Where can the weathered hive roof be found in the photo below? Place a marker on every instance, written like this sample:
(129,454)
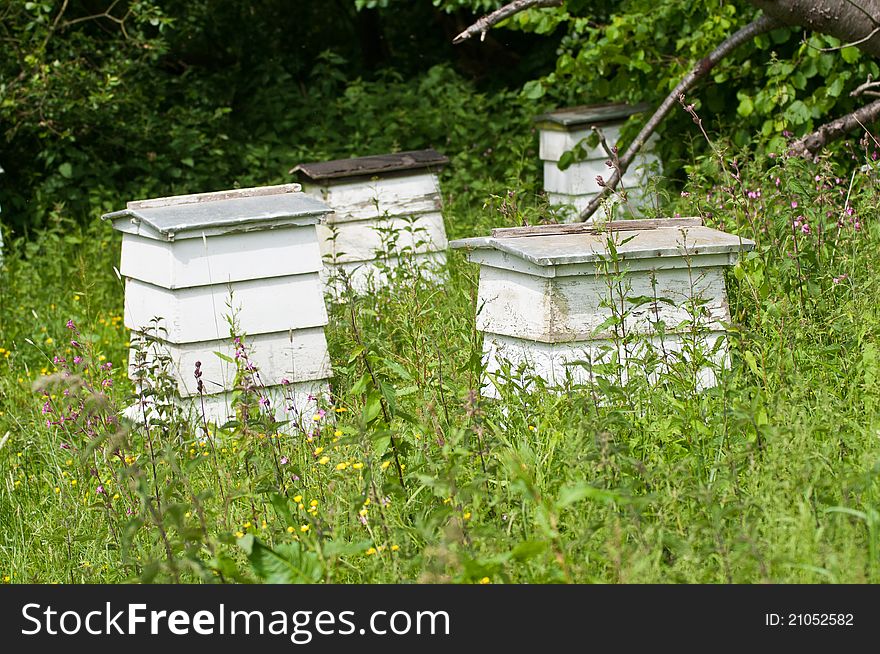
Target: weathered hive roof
(588,246)
(370,166)
(583,116)
(221,212)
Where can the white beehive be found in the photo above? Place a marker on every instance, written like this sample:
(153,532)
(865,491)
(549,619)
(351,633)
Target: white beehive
(546,296)
(387,213)
(194,261)
(572,189)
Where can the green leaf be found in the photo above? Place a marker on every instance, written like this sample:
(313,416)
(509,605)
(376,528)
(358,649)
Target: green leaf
(746,107)
(381,442)
(577,492)
(339,548)
(225,358)
(533,90)
(66,170)
(797,113)
(850,54)
(286,564)
(372,408)
(752,362)
(565,160)
(528,549)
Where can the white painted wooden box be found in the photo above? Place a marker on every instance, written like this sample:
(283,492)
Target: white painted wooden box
(190,263)
(572,189)
(387,214)
(552,298)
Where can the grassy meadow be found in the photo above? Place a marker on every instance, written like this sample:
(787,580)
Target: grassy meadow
(409,476)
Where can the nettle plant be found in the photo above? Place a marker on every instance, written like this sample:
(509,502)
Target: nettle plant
(808,217)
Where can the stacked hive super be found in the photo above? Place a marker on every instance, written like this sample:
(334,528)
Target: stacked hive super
(555,301)
(387,215)
(196,261)
(566,130)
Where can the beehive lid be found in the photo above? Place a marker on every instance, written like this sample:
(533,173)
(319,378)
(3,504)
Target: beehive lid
(372,166)
(573,118)
(554,245)
(220,212)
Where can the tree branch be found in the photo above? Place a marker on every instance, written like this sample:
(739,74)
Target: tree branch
(808,145)
(867,88)
(486,22)
(747,33)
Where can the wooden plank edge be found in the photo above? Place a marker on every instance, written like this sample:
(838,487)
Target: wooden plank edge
(596,228)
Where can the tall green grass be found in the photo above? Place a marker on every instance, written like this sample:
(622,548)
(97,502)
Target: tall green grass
(772,476)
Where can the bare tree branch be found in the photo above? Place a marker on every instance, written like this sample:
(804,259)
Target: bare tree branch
(753,29)
(867,88)
(808,145)
(486,22)
(874,32)
(848,20)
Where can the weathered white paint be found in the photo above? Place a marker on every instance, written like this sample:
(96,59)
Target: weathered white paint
(201,217)
(367,276)
(563,364)
(556,142)
(190,315)
(511,261)
(292,355)
(218,259)
(295,404)
(354,241)
(580,178)
(565,309)
(572,189)
(193,262)
(550,300)
(396,195)
(366,240)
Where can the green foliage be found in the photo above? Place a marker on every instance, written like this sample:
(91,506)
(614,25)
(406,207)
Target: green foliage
(157,98)
(640,50)
(769,477)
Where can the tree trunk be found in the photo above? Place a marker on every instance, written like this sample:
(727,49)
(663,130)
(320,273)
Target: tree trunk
(848,20)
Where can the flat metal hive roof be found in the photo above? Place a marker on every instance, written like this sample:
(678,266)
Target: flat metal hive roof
(561,249)
(221,212)
(574,117)
(373,165)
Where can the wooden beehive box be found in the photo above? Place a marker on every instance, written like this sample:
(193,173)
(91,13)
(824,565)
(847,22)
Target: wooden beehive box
(546,295)
(387,210)
(192,261)
(573,188)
